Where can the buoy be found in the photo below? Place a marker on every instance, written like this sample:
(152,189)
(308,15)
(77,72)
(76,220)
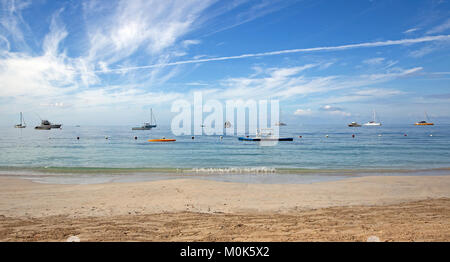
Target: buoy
(353,135)
(326,136)
(78,138)
(106,137)
(221,137)
(192,138)
(379,135)
(431,135)
(135,138)
(299,136)
(405,135)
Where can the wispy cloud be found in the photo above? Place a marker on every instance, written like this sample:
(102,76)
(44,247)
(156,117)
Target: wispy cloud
(291,51)
(374,61)
(440,28)
(409,31)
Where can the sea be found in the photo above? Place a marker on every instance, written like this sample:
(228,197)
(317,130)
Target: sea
(317,153)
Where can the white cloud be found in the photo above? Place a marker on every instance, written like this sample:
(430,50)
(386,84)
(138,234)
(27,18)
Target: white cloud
(303,112)
(334,110)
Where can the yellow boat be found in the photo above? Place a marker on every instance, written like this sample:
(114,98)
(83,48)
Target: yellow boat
(423,123)
(162,140)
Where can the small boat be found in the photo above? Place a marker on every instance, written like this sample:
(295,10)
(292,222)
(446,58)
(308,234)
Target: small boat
(280,124)
(22,122)
(227,124)
(424,123)
(373,122)
(266,139)
(46,125)
(147,126)
(265,134)
(162,140)
(354,124)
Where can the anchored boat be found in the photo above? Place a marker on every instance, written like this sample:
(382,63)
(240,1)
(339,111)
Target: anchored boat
(22,122)
(147,126)
(424,123)
(354,124)
(373,122)
(265,134)
(46,125)
(162,140)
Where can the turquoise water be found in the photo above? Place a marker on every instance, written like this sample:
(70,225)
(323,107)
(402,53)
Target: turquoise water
(373,148)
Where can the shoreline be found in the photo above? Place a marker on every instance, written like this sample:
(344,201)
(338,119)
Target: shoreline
(150,211)
(251,175)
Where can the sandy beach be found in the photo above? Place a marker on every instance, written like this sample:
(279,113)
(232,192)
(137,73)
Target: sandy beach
(393,208)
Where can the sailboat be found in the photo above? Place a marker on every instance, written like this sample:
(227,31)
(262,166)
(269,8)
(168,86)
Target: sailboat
(22,122)
(373,122)
(147,126)
(424,123)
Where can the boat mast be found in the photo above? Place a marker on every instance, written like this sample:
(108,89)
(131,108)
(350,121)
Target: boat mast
(21,118)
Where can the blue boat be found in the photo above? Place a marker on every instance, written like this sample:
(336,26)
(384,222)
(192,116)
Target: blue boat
(266,139)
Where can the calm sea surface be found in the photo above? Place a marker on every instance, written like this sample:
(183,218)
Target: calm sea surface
(58,154)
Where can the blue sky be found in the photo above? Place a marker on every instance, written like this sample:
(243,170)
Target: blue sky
(108,62)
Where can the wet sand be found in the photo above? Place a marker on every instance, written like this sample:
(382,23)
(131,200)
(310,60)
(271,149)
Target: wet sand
(393,208)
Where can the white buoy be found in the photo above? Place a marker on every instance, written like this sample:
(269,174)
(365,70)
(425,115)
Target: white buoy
(326,136)
(431,135)
(379,135)
(106,137)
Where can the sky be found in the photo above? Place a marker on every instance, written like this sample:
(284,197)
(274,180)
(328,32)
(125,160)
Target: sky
(109,62)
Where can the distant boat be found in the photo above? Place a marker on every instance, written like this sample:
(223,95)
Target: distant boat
(46,125)
(162,140)
(265,134)
(280,124)
(424,123)
(373,122)
(227,124)
(354,124)
(22,122)
(147,126)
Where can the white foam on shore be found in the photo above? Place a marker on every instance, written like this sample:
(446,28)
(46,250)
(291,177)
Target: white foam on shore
(235,170)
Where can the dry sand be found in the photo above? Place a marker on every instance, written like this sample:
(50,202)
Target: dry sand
(393,208)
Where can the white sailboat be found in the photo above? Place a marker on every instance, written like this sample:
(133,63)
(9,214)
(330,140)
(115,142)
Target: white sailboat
(147,126)
(22,122)
(373,122)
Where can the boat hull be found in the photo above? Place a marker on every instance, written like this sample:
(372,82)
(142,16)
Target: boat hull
(43,128)
(162,140)
(424,124)
(20,126)
(266,139)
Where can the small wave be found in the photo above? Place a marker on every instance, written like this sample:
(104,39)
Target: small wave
(235,170)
